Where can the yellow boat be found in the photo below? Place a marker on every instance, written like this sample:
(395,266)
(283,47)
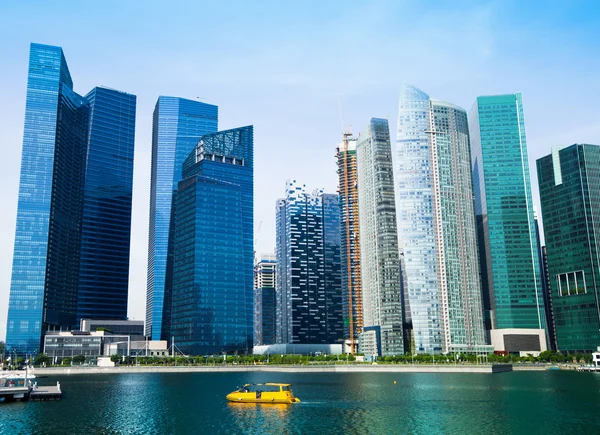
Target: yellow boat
(263,393)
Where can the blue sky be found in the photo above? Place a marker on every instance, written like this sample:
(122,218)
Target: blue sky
(284,66)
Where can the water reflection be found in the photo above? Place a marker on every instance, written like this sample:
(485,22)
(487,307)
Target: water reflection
(259,418)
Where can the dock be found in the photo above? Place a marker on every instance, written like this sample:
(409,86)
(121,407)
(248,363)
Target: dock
(588,369)
(45,393)
(31,392)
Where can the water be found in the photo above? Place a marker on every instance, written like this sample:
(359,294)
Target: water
(332,403)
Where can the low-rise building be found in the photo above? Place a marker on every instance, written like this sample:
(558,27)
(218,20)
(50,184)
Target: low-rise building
(298,349)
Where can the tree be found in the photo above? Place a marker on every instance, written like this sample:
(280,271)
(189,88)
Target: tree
(67,361)
(42,359)
(115,358)
(2,348)
(79,359)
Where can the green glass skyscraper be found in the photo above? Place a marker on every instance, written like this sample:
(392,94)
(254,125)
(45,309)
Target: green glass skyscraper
(512,292)
(569,181)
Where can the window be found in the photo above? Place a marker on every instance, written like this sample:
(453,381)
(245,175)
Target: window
(571,283)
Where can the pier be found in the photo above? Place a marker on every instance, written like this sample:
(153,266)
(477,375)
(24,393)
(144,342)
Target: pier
(19,390)
(45,393)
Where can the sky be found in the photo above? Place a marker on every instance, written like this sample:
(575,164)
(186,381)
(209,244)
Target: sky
(299,72)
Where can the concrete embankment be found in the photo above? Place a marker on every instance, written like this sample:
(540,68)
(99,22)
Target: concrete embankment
(338,368)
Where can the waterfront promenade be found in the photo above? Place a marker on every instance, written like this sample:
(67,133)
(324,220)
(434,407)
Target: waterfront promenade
(320,368)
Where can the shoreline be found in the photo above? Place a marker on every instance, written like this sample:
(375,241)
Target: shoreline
(338,368)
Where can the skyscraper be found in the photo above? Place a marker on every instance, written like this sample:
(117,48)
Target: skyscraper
(61,216)
(510,267)
(106,225)
(436,225)
(177,126)
(212,295)
(379,262)
(569,181)
(350,241)
(308,282)
(264,300)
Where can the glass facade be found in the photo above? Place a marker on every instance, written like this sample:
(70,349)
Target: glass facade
(308,278)
(436,222)
(512,290)
(350,241)
(106,226)
(212,296)
(59,132)
(264,300)
(177,125)
(379,262)
(569,182)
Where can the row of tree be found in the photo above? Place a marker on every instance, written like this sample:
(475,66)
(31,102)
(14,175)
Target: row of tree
(544,357)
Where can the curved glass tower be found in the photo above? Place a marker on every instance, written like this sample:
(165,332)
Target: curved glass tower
(436,225)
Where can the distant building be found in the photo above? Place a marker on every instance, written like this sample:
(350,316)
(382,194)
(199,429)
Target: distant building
(71,252)
(436,225)
(510,270)
(569,182)
(177,126)
(546,288)
(379,262)
(521,341)
(264,300)
(212,296)
(299,349)
(59,345)
(123,327)
(308,283)
(350,241)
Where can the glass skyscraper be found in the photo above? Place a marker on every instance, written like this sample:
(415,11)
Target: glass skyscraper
(106,224)
(436,225)
(308,277)
(569,181)
(212,295)
(510,270)
(379,262)
(59,224)
(264,300)
(350,241)
(177,126)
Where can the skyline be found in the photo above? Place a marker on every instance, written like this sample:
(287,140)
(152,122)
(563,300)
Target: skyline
(290,83)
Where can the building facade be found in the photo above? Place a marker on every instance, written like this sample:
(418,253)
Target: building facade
(436,224)
(350,241)
(264,300)
(308,283)
(177,126)
(212,295)
(508,249)
(379,262)
(62,217)
(569,182)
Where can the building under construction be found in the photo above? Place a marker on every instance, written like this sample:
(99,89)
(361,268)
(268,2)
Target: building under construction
(350,242)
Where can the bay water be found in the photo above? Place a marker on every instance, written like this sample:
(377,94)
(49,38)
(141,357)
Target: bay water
(548,402)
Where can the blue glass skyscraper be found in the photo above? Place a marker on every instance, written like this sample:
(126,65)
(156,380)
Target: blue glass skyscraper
(178,124)
(212,296)
(54,205)
(106,224)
